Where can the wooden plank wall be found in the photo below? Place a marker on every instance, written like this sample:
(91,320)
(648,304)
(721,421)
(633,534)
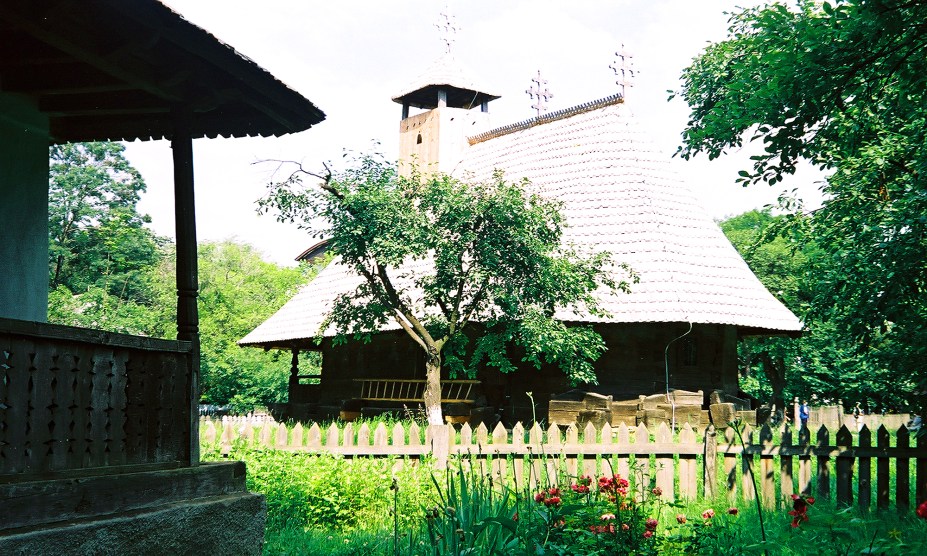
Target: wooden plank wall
(72,404)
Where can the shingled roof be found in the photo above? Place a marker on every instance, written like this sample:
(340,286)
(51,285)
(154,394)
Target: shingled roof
(445,73)
(619,195)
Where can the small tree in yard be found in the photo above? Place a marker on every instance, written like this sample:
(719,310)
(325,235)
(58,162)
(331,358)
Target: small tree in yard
(438,255)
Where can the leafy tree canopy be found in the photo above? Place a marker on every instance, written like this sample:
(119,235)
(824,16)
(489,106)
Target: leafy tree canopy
(826,361)
(440,257)
(238,291)
(97,237)
(842,86)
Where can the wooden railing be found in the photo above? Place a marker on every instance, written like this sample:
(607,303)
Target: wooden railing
(412,390)
(74,399)
(706,465)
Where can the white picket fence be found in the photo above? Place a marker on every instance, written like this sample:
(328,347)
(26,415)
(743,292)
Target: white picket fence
(860,465)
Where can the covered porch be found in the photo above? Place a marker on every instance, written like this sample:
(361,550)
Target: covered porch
(99,444)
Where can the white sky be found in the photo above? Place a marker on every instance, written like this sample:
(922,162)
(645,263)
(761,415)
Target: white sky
(350,56)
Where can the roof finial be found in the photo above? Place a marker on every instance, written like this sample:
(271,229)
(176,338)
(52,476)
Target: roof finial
(623,66)
(542,95)
(447,27)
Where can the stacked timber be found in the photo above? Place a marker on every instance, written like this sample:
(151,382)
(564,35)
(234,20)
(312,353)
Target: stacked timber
(678,406)
(625,413)
(580,407)
(725,408)
(577,405)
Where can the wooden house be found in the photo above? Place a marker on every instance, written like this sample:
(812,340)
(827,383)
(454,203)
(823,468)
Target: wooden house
(676,330)
(99,444)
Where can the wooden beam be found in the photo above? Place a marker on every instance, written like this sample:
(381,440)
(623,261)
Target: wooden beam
(101,104)
(186,267)
(55,79)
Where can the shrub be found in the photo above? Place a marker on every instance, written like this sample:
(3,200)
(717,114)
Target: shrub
(332,492)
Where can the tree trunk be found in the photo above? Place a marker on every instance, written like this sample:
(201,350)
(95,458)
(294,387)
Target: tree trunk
(774,369)
(433,387)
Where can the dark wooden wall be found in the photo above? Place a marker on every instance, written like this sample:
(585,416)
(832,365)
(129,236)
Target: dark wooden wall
(705,359)
(73,399)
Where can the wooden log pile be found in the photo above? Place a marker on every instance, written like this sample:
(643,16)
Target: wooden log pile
(725,409)
(580,407)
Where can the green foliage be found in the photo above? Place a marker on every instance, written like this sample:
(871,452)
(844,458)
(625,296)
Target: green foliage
(332,493)
(97,238)
(438,255)
(238,291)
(768,364)
(96,308)
(840,85)
(827,361)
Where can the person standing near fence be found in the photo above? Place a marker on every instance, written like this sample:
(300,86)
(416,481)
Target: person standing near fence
(804,412)
(858,414)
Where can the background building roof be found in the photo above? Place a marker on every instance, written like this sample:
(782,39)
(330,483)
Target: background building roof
(619,195)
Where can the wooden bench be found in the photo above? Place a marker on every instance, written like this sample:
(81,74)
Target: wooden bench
(413,390)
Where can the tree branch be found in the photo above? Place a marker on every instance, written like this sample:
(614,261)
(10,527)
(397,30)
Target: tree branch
(326,179)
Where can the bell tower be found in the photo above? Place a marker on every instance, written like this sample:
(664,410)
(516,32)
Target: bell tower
(453,108)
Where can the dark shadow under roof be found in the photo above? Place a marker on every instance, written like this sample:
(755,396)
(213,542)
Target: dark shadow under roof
(127,69)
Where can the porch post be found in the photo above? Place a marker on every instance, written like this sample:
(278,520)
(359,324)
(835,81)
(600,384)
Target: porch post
(187,279)
(294,375)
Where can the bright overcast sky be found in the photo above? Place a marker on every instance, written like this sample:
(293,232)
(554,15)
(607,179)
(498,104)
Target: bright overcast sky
(349,57)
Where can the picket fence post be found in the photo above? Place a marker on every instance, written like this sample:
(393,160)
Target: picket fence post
(710,463)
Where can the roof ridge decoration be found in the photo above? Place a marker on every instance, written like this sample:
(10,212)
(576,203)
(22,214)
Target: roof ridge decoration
(623,66)
(546,118)
(540,92)
(447,27)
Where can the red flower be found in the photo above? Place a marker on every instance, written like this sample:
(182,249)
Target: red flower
(657,491)
(580,488)
(651,524)
(798,519)
(799,511)
(613,484)
(549,497)
(681,518)
(732,511)
(922,510)
(648,534)
(708,514)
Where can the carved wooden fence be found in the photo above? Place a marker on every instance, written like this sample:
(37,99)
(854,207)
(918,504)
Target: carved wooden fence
(73,399)
(682,466)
